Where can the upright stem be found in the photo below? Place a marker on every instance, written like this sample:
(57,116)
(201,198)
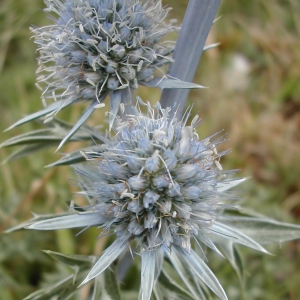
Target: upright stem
(196,24)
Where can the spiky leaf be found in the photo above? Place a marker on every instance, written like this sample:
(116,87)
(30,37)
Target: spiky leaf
(203,272)
(168,289)
(263,230)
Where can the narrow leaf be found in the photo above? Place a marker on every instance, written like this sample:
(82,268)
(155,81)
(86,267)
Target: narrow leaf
(46,138)
(49,135)
(210,46)
(107,258)
(27,150)
(63,289)
(147,274)
(124,263)
(170,290)
(234,258)
(52,107)
(203,271)
(233,234)
(40,139)
(172,83)
(73,261)
(223,186)
(69,221)
(35,219)
(185,275)
(69,159)
(115,101)
(263,230)
(208,242)
(76,156)
(159,262)
(27,138)
(128,101)
(86,114)
(106,285)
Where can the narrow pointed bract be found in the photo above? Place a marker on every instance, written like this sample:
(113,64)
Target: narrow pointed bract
(69,221)
(235,235)
(203,271)
(147,274)
(107,258)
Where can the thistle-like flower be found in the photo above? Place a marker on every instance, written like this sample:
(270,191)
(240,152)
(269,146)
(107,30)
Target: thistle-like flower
(95,47)
(156,184)
(100,47)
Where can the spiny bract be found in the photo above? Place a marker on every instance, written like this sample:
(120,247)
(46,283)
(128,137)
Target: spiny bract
(156,183)
(96,46)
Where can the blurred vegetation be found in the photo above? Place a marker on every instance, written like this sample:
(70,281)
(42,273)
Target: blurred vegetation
(253,94)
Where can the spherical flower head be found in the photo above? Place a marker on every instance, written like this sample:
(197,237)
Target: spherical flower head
(156,181)
(97,46)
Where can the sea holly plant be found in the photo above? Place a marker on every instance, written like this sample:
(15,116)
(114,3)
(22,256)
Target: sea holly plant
(151,184)
(99,48)
(156,185)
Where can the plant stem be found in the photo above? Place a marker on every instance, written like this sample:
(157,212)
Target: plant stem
(196,24)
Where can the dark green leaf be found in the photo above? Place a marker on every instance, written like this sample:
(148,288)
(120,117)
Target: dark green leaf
(63,289)
(27,150)
(234,258)
(86,114)
(76,156)
(52,107)
(167,289)
(73,261)
(106,285)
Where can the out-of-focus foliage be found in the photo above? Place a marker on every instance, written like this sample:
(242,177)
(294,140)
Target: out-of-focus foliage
(253,95)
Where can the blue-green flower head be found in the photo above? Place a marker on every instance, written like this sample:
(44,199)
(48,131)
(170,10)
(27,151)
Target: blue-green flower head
(98,46)
(155,181)
(156,184)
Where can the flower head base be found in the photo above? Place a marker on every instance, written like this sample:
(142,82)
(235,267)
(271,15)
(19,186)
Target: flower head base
(97,46)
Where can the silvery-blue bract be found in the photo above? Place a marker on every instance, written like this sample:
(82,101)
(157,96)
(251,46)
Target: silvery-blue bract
(156,184)
(95,47)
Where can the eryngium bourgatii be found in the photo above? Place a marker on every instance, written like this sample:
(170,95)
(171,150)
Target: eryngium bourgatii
(97,46)
(156,184)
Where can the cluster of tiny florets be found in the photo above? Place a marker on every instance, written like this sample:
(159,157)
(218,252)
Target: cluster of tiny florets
(96,46)
(154,180)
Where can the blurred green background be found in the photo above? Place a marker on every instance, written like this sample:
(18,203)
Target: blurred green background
(254,95)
